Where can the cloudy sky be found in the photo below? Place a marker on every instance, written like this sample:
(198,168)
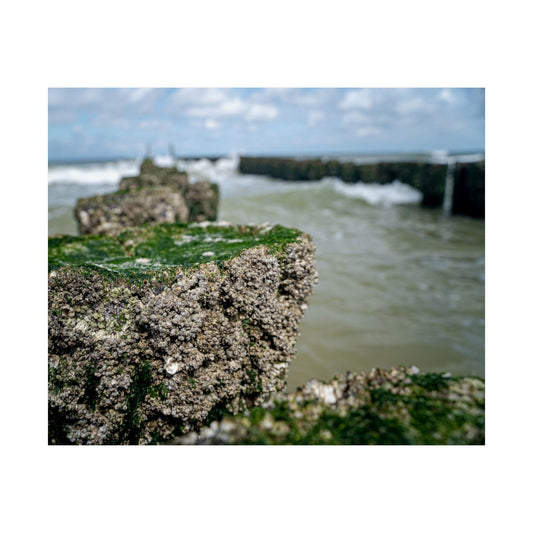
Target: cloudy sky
(101,123)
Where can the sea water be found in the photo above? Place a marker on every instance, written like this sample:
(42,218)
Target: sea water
(398,283)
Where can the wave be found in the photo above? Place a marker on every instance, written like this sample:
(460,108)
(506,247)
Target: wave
(217,171)
(92,173)
(377,194)
(225,172)
(114,171)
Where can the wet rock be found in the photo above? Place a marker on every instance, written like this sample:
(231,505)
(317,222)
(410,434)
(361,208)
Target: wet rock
(110,214)
(162,329)
(157,195)
(396,406)
(469,189)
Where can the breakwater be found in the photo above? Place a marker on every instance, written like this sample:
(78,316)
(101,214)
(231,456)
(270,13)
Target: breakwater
(126,367)
(462,180)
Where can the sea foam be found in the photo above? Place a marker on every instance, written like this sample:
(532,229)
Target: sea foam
(375,193)
(91,173)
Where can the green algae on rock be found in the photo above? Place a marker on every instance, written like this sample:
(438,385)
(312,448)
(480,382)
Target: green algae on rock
(157,195)
(156,331)
(144,252)
(398,406)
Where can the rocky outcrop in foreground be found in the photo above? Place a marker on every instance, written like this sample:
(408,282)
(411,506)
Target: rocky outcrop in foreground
(159,330)
(157,195)
(398,406)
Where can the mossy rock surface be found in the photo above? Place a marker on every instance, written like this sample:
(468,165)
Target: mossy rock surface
(166,177)
(152,251)
(397,406)
(156,331)
(157,195)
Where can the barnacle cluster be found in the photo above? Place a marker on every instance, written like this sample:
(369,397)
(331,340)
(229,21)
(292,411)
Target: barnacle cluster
(156,195)
(142,349)
(395,406)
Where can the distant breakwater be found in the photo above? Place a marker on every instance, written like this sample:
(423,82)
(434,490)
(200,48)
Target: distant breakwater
(456,186)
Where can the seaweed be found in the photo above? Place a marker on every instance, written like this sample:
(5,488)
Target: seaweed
(139,254)
(132,425)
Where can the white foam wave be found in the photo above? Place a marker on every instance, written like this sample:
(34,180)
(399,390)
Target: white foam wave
(217,171)
(164,161)
(376,194)
(91,173)
(225,172)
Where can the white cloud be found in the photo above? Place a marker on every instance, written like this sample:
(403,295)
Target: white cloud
(447,96)
(220,104)
(193,97)
(211,124)
(412,105)
(359,98)
(136,95)
(314,117)
(223,108)
(261,112)
(355,117)
(294,96)
(230,108)
(310,98)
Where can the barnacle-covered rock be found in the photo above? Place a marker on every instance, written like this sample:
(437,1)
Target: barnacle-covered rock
(155,332)
(110,214)
(396,406)
(156,195)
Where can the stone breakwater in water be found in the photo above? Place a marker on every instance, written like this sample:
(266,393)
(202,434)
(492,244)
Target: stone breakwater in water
(397,406)
(156,195)
(183,333)
(155,332)
(468,196)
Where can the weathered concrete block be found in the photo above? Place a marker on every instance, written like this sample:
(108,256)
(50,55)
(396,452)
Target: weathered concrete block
(397,406)
(469,189)
(157,195)
(110,214)
(154,332)
(167,177)
(433,184)
(202,199)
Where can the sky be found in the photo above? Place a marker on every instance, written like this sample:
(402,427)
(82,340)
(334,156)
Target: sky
(99,123)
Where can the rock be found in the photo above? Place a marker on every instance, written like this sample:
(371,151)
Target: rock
(167,177)
(157,195)
(469,189)
(398,406)
(150,336)
(202,199)
(110,214)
